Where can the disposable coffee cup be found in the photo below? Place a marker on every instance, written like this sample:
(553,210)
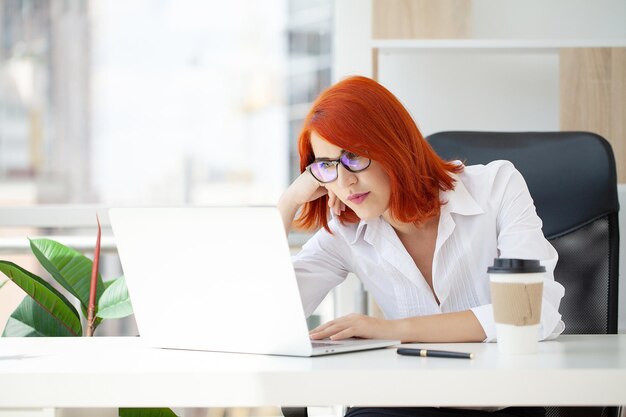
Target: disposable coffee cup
(516,293)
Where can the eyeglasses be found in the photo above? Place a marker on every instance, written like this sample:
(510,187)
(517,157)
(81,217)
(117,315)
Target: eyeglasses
(326,170)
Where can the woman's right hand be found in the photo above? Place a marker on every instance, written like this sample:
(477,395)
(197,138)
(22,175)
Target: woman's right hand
(305,188)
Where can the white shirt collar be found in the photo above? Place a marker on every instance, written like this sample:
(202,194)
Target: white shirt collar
(458,201)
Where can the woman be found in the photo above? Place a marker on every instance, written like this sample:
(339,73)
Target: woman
(418,231)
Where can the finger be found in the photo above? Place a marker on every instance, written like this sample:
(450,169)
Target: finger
(343,322)
(322,327)
(344,334)
(331,199)
(322,330)
(337,206)
(316,336)
(323,334)
(320,335)
(330,193)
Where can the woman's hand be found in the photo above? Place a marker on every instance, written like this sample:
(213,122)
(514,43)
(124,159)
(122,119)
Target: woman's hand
(356,325)
(336,205)
(304,189)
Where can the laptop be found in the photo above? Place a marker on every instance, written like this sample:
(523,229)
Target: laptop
(217,279)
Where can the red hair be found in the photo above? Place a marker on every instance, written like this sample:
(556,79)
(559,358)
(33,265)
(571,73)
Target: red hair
(361,116)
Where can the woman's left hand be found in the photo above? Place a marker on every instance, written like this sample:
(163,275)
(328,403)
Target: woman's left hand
(356,325)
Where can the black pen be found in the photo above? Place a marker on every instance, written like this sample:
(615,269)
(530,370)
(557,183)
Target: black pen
(434,353)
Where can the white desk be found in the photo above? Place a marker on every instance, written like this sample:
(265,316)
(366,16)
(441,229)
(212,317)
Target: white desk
(110,372)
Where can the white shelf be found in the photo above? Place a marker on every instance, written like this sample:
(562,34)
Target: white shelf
(513,45)
(84,244)
(55,216)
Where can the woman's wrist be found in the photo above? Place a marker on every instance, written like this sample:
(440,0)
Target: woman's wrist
(288,203)
(460,326)
(405,329)
(288,209)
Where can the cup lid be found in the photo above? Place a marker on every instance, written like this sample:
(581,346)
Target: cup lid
(515,266)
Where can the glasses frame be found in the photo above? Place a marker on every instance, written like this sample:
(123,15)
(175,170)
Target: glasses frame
(336,163)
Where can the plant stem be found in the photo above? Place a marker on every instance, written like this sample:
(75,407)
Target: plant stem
(91,317)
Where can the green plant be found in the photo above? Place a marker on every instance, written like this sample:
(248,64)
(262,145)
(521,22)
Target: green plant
(47,312)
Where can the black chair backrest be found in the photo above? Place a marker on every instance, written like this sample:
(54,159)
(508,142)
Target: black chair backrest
(572,179)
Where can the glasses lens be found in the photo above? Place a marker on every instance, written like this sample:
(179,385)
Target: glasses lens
(354,162)
(324,171)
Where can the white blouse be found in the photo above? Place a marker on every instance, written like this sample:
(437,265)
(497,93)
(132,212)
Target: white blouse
(489,214)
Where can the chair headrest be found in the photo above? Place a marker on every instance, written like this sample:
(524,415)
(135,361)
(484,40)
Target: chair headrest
(571,175)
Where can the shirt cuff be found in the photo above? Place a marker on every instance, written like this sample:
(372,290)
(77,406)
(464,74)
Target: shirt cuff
(484,314)
(551,324)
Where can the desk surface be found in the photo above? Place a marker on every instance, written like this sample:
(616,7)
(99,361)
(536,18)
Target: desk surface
(109,372)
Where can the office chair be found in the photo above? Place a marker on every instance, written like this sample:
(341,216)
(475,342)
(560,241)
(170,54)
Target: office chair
(572,179)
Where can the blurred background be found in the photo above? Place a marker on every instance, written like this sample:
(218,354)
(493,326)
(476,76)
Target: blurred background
(191,102)
(114,101)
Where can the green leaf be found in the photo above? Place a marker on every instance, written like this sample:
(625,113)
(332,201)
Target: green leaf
(115,302)
(146,412)
(30,319)
(68,267)
(45,295)
(110,282)
(3,282)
